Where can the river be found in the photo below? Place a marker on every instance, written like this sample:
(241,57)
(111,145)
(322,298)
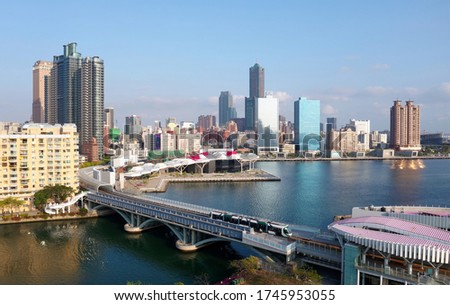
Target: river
(99,251)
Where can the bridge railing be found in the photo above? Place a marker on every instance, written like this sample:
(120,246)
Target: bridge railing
(280,244)
(168,213)
(177,203)
(387,271)
(319,250)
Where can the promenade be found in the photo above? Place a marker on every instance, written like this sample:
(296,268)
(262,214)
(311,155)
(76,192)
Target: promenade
(160,183)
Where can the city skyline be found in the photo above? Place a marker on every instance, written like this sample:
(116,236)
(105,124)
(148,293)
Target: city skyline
(357,58)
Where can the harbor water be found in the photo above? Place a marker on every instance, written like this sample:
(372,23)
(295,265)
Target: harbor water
(99,251)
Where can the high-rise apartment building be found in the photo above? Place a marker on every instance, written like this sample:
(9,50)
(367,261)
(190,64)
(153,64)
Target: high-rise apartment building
(38,156)
(109,117)
(206,122)
(226,109)
(256,81)
(405,126)
(66,87)
(76,94)
(41,87)
(307,125)
(92,102)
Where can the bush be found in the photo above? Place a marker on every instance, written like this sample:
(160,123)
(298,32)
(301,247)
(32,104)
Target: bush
(83,211)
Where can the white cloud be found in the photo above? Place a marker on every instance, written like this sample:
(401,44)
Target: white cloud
(445,88)
(381,67)
(378,90)
(282,96)
(328,110)
(213,100)
(345,69)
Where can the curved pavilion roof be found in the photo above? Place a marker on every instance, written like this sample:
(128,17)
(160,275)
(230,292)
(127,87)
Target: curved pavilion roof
(177,163)
(397,237)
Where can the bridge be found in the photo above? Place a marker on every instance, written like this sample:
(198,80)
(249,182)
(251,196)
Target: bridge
(55,208)
(195,226)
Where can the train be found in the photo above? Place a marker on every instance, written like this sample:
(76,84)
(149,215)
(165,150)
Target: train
(269,227)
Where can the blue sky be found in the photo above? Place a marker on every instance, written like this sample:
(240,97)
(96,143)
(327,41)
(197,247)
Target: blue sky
(172,58)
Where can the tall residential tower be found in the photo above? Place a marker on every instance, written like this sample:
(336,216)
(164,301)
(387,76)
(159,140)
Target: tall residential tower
(405,126)
(41,87)
(73,93)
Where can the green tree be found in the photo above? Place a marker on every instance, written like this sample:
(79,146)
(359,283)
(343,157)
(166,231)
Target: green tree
(249,264)
(52,193)
(10,203)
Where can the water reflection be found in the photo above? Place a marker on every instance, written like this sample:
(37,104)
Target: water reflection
(408,164)
(407,183)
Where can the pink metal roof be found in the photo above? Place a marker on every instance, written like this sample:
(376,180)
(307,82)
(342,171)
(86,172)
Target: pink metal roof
(396,225)
(387,237)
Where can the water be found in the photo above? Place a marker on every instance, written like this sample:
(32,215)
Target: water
(312,193)
(98,251)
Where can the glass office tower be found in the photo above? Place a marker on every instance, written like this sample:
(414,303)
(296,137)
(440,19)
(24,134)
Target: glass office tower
(307,125)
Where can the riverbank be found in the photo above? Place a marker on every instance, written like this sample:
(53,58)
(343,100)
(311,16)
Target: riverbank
(161,183)
(35,216)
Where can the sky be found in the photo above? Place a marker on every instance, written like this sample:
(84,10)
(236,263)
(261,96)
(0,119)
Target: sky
(173,58)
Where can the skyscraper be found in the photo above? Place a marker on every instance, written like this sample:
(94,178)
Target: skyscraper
(250,115)
(226,109)
(267,114)
(92,106)
(76,95)
(256,86)
(133,126)
(66,87)
(405,126)
(256,81)
(41,87)
(307,125)
(109,117)
(332,122)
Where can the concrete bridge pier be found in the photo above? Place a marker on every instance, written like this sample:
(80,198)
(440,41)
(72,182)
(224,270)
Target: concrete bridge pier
(190,240)
(137,223)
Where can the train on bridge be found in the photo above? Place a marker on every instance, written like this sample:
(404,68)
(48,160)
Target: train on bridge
(261,226)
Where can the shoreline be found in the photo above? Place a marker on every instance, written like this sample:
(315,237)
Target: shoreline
(55,218)
(161,183)
(399,158)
